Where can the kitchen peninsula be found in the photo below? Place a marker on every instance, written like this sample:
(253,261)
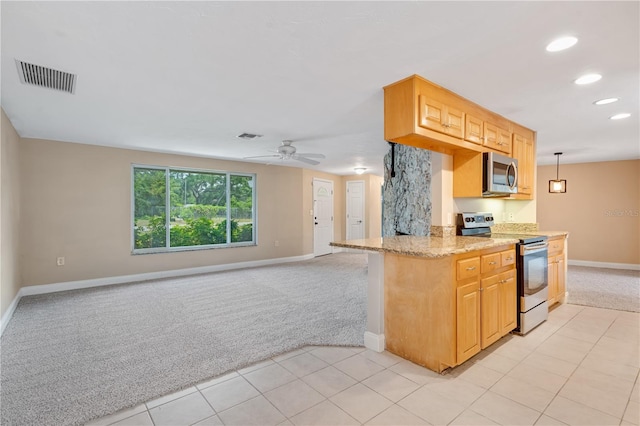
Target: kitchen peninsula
(425,296)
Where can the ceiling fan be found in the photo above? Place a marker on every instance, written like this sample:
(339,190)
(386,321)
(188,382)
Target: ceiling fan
(286,151)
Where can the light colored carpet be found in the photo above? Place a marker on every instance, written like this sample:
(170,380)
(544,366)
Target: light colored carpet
(73,356)
(604,288)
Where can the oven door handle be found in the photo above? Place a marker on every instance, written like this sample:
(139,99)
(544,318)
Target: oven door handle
(533,248)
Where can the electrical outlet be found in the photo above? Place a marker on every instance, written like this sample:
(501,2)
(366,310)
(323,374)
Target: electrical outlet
(60,261)
(510,217)
(276,243)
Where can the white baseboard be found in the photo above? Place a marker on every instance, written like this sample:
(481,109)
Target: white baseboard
(632,266)
(9,312)
(373,341)
(122,279)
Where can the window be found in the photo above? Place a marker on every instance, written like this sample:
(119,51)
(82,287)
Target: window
(178,209)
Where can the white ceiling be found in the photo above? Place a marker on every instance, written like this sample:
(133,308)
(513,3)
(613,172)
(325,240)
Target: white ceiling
(187,77)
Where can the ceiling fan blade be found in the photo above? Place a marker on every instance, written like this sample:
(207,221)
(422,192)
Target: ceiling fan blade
(305,160)
(313,155)
(262,156)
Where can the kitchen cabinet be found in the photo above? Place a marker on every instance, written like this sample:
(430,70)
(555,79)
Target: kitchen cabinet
(524,152)
(441,117)
(473,129)
(420,113)
(439,312)
(468,341)
(497,139)
(508,309)
(556,270)
(498,297)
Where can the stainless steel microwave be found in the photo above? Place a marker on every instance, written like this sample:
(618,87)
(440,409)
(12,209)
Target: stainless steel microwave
(499,175)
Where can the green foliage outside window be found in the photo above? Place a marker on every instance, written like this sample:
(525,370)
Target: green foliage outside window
(198,206)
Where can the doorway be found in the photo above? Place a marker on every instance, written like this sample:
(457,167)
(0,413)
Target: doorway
(355,210)
(323,216)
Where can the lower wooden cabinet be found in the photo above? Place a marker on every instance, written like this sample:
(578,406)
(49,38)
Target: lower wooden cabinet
(498,307)
(556,270)
(439,312)
(508,302)
(468,321)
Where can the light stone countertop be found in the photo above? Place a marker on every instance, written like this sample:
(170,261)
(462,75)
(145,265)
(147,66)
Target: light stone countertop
(425,246)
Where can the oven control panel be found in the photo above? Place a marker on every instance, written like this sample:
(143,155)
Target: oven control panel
(474,220)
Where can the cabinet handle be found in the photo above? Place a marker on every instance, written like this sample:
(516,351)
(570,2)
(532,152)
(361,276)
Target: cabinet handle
(492,263)
(509,258)
(471,268)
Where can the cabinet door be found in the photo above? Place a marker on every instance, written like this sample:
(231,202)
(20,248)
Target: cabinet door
(560,278)
(508,302)
(504,141)
(490,135)
(552,276)
(497,138)
(454,122)
(468,321)
(473,131)
(523,152)
(490,310)
(431,114)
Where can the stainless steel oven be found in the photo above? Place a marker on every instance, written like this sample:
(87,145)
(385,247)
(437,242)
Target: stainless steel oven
(532,282)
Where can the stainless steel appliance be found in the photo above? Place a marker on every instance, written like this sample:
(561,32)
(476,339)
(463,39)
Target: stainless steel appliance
(499,175)
(531,264)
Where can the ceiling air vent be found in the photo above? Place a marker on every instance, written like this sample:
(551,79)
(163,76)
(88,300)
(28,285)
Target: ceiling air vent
(248,136)
(46,77)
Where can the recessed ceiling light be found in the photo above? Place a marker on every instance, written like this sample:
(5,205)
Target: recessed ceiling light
(620,116)
(606,101)
(561,44)
(588,79)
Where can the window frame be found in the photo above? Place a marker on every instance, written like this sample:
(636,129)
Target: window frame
(167,248)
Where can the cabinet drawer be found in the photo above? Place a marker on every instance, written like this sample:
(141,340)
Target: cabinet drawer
(556,246)
(490,262)
(467,268)
(507,257)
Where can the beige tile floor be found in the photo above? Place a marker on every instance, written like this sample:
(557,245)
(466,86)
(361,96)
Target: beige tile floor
(578,368)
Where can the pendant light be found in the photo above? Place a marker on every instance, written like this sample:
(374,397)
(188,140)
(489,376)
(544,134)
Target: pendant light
(558,186)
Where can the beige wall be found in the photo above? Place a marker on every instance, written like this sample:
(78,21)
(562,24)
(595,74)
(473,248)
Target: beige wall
(77,204)
(10,278)
(599,209)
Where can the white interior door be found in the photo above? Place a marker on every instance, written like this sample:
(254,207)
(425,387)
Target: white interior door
(323,216)
(355,209)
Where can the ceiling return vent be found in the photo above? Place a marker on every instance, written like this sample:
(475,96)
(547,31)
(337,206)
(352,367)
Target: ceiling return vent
(46,77)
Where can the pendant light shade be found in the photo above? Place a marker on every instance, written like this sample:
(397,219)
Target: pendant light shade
(557,186)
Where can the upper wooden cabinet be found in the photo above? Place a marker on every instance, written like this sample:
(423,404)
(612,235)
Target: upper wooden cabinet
(524,152)
(420,113)
(497,138)
(473,129)
(441,117)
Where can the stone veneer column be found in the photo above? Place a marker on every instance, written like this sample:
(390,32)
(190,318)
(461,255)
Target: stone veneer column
(407,196)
